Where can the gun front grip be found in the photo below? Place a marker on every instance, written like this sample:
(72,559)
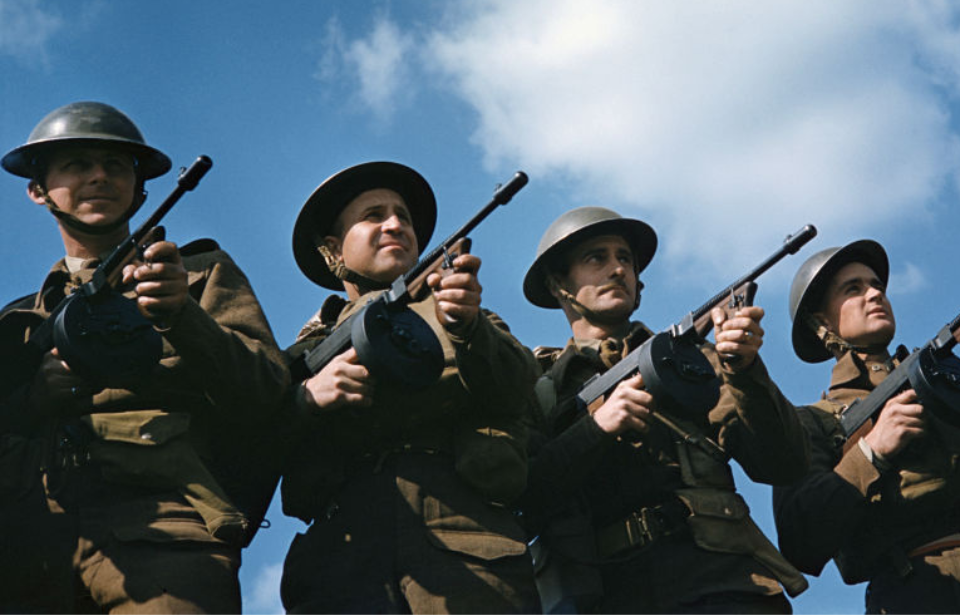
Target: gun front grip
(443,265)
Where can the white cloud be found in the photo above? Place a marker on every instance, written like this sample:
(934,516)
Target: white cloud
(265,595)
(907,282)
(25,29)
(378,65)
(334,45)
(380,62)
(717,120)
(713,121)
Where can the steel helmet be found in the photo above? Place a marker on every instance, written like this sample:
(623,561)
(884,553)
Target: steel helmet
(573,227)
(85,123)
(336,192)
(810,283)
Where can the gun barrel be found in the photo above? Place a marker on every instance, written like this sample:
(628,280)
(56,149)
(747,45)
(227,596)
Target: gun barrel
(796,241)
(501,196)
(791,245)
(506,192)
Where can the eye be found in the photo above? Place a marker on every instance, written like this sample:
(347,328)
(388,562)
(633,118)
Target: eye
(117,165)
(76,164)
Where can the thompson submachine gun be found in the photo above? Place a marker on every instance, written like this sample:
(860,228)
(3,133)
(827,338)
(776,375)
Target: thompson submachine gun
(932,370)
(391,340)
(101,334)
(674,369)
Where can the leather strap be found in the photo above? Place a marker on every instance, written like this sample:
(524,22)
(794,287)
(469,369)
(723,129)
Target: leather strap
(641,528)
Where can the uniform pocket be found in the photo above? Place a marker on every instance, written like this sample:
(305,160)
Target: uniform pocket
(719,520)
(144,447)
(484,531)
(184,529)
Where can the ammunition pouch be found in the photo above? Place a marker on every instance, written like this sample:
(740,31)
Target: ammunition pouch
(149,448)
(720,521)
(309,484)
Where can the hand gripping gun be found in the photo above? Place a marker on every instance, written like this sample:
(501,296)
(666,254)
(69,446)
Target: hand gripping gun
(391,340)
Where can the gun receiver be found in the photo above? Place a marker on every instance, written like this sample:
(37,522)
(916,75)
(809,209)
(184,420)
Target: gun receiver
(392,341)
(100,333)
(674,370)
(932,370)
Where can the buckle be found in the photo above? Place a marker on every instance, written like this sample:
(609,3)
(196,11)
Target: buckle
(644,526)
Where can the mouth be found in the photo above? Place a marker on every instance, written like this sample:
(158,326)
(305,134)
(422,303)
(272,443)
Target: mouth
(394,246)
(98,198)
(613,286)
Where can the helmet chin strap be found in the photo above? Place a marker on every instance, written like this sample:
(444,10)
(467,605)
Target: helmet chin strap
(344,274)
(836,345)
(91,229)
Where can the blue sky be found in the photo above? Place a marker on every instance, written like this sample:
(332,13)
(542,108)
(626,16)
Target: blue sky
(725,125)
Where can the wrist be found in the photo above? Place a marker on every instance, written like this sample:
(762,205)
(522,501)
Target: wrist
(881,463)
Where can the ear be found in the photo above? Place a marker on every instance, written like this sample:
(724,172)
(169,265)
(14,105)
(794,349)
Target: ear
(334,244)
(820,320)
(36,193)
(554,284)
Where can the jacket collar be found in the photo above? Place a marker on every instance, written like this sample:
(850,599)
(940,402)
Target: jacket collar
(853,376)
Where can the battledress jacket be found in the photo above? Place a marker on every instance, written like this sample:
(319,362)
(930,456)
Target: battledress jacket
(721,550)
(199,424)
(846,508)
(473,416)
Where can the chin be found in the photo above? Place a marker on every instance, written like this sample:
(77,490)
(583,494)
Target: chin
(614,313)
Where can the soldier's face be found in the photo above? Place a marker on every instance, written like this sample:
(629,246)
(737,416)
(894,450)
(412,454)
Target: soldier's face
(856,307)
(95,185)
(378,240)
(601,276)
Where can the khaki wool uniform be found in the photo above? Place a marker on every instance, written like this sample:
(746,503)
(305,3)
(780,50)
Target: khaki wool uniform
(662,528)
(898,528)
(408,498)
(143,503)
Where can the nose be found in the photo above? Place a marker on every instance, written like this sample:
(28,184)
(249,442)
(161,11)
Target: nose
(393,224)
(618,270)
(874,294)
(98,172)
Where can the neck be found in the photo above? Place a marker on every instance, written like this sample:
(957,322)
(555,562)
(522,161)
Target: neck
(81,245)
(874,354)
(354,292)
(584,329)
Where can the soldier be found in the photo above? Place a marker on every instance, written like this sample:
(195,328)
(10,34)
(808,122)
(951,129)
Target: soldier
(406,490)
(635,501)
(884,506)
(134,498)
